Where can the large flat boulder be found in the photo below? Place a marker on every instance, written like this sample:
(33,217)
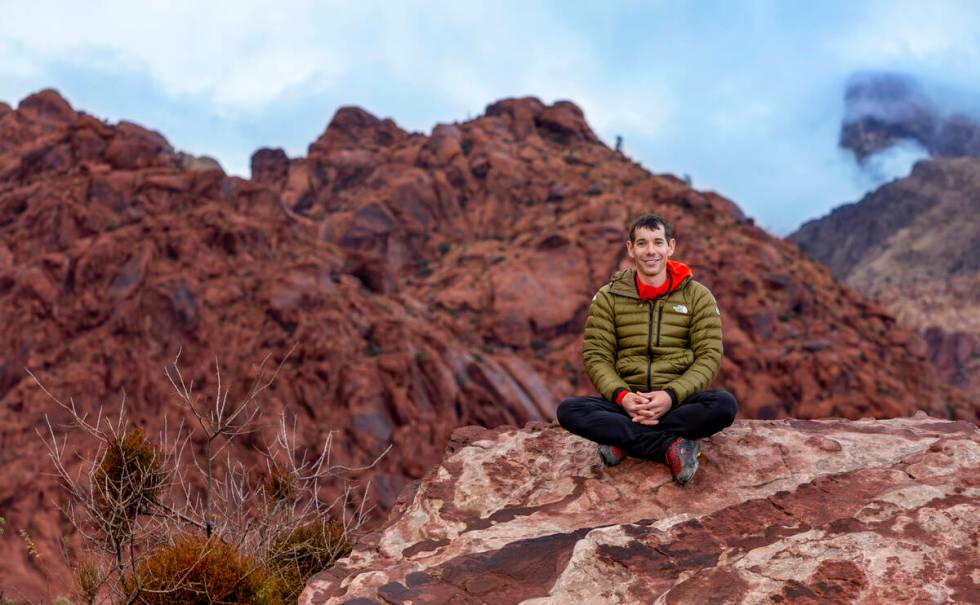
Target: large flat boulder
(783,511)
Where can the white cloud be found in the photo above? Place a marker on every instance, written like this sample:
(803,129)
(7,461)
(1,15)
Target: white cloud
(242,56)
(937,35)
(14,62)
(238,55)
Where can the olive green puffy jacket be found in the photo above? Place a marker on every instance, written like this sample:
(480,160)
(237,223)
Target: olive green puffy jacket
(670,343)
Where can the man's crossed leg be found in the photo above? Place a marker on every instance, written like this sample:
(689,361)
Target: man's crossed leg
(702,414)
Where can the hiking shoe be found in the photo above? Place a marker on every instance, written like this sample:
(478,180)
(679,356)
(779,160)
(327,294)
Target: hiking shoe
(682,458)
(611,455)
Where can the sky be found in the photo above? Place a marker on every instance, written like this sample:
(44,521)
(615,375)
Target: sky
(744,98)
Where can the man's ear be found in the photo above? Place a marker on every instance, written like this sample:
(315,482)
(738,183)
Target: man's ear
(670,246)
(629,246)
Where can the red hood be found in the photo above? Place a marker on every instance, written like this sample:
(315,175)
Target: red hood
(676,274)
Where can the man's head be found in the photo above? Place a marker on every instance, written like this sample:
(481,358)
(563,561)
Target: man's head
(651,222)
(650,245)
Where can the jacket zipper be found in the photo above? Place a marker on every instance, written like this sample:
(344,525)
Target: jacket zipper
(660,318)
(650,349)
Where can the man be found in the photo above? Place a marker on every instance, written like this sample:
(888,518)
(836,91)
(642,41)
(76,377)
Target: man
(652,347)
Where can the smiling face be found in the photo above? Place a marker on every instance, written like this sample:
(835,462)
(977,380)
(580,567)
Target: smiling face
(650,250)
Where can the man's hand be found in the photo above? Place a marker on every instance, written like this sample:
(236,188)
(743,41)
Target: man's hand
(635,405)
(647,408)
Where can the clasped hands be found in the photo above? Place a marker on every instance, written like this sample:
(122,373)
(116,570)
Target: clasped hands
(647,408)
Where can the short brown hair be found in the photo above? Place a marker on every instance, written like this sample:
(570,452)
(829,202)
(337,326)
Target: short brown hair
(651,222)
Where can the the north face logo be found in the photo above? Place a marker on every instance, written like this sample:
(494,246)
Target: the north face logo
(680,308)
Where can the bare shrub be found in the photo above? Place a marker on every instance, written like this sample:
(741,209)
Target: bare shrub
(172,526)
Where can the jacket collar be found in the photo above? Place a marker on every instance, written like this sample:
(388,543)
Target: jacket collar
(624,282)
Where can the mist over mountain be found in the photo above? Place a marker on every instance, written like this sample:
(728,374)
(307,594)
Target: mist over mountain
(912,243)
(886,110)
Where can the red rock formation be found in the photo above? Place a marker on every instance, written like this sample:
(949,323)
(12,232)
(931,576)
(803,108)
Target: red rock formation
(111,262)
(789,511)
(425,281)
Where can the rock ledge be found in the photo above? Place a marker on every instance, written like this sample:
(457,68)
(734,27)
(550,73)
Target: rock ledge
(783,511)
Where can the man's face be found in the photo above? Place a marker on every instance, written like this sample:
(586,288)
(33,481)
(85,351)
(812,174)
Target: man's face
(650,252)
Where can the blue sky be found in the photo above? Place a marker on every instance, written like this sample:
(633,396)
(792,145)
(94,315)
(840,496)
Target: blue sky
(744,97)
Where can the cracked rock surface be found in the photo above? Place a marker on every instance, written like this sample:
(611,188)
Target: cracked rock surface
(784,511)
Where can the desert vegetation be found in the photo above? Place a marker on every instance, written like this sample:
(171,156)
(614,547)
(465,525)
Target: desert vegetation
(176,518)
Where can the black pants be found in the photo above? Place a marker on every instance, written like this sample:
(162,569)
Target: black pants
(604,422)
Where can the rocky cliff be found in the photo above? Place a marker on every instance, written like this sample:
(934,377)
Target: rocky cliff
(789,511)
(914,245)
(423,281)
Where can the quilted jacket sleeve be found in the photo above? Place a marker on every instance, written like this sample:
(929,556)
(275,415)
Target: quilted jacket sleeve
(706,343)
(599,348)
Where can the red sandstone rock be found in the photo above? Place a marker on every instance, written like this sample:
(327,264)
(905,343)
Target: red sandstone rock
(270,166)
(136,147)
(353,127)
(520,115)
(47,109)
(566,121)
(198,163)
(790,511)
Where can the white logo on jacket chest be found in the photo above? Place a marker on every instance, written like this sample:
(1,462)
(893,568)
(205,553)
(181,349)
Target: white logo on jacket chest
(680,308)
